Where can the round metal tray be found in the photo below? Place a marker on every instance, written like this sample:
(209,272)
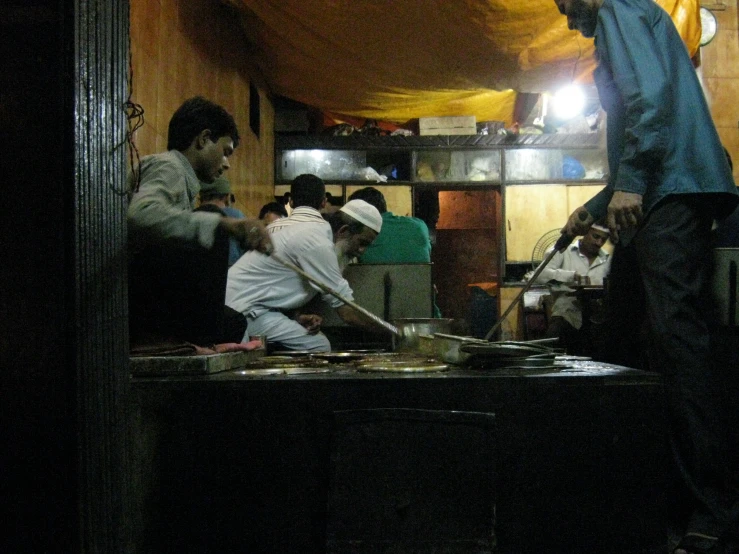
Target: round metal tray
(403,367)
(337,357)
(256,372)
(502,350)
(304,370)
(284,362)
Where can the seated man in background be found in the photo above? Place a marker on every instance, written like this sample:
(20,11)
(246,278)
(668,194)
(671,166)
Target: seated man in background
(403,240)
(269,294)
(584,262)
(216,197)
(272,211)
(178,258)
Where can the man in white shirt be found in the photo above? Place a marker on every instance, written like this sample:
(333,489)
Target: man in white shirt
(583,262)
(269,294)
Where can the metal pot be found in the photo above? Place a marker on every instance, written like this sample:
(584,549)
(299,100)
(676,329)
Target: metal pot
(447,347)
(412,329)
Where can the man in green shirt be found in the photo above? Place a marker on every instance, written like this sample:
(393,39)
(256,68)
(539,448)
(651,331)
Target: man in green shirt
(403,240)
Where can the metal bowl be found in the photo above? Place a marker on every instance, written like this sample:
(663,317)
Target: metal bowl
(412,328)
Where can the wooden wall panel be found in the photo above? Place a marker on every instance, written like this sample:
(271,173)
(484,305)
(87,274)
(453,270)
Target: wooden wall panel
(720,70)
(182,49)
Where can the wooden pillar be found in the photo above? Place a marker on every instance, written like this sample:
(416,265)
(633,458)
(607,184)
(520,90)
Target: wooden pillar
(63,310)
(98,287)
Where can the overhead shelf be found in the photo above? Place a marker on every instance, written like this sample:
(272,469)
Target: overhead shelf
(365,142)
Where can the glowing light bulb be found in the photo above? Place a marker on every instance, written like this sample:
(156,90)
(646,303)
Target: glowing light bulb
(568,102)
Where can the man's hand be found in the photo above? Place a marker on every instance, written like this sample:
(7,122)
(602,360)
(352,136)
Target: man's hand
(311,322)
(578,223)
(624,212)
(250,233)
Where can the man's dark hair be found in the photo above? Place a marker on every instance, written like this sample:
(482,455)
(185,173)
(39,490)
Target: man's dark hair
(372,196)
(338,219)
(195,115)
(308,190)
(273,207)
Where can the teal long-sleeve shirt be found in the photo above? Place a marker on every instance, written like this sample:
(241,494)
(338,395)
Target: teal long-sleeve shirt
(661,137)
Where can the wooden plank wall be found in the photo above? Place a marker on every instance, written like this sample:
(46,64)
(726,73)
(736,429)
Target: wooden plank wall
(720,71)
(184,48)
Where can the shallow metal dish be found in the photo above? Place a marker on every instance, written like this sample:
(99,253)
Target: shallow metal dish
(255,372)
(339,356)
(404,368)
(501,350)
(370,351)
(493,362)
(400,361)
(528,370)
(283,362)
(304,370)
(568,358)
(382,355)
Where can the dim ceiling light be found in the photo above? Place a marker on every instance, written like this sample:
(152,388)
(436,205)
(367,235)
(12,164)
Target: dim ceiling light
(568,102)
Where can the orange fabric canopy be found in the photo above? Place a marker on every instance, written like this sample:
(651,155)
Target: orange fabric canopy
(397,61)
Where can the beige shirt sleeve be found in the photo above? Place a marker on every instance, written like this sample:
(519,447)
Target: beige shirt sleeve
(162,209)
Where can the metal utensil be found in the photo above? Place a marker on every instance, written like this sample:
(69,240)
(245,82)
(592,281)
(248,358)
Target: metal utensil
(325,288)
(412,329)
(563,242)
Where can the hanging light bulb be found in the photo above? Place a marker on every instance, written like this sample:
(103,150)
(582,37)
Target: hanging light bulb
(568,102)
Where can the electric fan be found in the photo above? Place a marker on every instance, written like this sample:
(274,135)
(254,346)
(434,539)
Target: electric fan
(545,243)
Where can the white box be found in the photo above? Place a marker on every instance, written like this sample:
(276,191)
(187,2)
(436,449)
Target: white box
(455,125)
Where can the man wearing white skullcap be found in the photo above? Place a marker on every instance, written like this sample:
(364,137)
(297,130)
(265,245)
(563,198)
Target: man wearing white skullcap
(582,262)
(353,215)
(271,295)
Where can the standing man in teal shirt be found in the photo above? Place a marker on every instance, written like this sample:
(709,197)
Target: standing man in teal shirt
(669,180)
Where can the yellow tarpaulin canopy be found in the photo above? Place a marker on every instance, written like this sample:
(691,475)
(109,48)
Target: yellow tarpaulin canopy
(399,60)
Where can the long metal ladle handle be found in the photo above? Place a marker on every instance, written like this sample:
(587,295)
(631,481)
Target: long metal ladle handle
(562,243)
(381,322)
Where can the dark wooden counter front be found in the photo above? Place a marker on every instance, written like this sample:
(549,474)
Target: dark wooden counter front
(234,464)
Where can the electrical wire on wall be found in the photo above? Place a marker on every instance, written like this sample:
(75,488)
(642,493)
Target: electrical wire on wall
(134,121)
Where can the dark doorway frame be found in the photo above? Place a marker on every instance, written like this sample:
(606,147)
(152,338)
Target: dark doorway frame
(64,308)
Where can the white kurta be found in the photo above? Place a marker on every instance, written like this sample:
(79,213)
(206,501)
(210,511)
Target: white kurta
(259,285)
(562,269)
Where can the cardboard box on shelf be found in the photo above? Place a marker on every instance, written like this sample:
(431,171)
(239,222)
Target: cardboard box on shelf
(455,125)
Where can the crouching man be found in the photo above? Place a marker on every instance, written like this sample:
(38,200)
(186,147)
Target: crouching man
(269,294)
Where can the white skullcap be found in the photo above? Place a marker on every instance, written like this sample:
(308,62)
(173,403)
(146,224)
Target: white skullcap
(365,213)
(601,228)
